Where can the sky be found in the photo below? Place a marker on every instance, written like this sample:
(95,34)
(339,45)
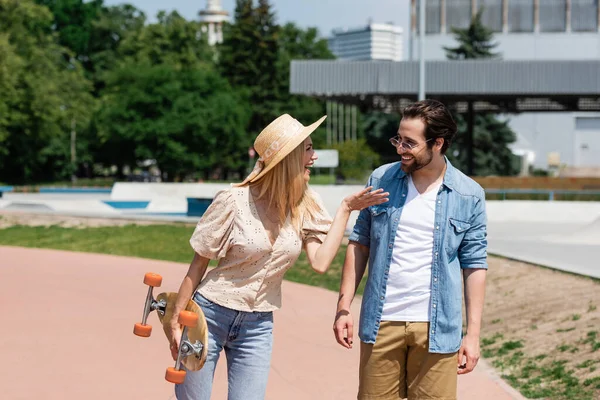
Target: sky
(323,14)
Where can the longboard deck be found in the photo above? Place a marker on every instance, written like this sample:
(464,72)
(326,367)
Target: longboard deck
(198,333)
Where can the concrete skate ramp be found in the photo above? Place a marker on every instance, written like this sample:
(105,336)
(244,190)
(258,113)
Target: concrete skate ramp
(562,235)
(68,335)
(172,197)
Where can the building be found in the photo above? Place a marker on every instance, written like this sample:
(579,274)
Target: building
(371,42)
(213,17)
(528,30)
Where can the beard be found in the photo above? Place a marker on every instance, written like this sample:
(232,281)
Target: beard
(419,161)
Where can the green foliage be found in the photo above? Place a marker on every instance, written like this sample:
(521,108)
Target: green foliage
(357,160)
(473,42)
(491,137)
(44,94)
(187,120)
(171,40)
(133,91)
(379,128)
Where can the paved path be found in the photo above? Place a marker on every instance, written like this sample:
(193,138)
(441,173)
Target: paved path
(67,334)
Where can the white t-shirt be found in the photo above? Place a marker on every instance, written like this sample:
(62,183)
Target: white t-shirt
(408,291)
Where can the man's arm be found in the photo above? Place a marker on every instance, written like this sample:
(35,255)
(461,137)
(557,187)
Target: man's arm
(354,268)
(469,353)
(472,255)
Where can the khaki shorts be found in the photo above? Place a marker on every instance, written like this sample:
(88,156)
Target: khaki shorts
(399,365)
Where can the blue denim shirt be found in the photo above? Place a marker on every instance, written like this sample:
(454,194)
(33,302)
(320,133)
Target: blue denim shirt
(459,241)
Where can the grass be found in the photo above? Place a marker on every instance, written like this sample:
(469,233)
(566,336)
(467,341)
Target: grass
(159,242)
(542,376)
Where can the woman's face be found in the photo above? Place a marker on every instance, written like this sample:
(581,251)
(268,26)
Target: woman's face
(309,157)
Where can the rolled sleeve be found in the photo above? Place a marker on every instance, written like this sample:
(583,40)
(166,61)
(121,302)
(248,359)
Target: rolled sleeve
(472,252)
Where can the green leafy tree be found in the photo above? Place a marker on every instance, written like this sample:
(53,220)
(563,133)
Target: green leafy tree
(296,43)
(171,40)
(491,137)
(248,59)
(188,120)
(72,22)
(357,160)
(475,41)
(113,26)
(44,93)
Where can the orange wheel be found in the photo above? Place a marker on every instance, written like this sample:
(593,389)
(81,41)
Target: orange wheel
(152,279)
(188,318)
(142,330)
(175,376)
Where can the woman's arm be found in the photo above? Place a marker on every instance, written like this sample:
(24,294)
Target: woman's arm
(320,255)
(190,282)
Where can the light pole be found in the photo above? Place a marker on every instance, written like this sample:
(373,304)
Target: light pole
(421,49)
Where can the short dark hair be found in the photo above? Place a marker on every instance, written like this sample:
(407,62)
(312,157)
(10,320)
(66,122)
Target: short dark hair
(437,119)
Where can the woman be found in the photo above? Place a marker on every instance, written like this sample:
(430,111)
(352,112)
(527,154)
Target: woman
(257,230)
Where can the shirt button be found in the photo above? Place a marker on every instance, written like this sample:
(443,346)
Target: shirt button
(435,279)
(436,253)
(382,298)
(434,306)
(403,194)
(391,245)
(439,202)
(437,227)
(432,332)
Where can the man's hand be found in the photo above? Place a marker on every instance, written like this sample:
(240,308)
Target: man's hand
(468,355)
(343,322)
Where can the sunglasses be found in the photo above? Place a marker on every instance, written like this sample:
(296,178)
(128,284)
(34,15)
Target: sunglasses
(396,142)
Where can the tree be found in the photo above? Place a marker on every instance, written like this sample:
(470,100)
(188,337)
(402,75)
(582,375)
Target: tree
(480,148)
(475,41)
(73,22)
(44,93)
(248,59)
(113,26)
(171,40)
(300,44)
(188,120)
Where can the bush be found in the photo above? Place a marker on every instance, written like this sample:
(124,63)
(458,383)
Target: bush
(357,160)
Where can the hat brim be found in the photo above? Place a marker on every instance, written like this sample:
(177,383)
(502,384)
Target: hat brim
(287,149)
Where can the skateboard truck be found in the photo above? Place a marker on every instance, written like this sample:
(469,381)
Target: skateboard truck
(188,319)
(142,329)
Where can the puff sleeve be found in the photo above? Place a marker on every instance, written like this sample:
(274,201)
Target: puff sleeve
(317,226)
(214,232)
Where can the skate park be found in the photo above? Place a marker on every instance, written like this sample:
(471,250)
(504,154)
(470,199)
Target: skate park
(91,337)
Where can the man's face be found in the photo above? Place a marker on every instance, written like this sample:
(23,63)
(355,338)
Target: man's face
(413,146)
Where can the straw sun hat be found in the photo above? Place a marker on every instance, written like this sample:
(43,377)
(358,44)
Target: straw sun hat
(276,141)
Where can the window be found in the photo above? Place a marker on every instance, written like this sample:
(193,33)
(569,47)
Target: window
(520,15)
(553,16)
(458,13)
(584,15)
(491,15)
(433,16)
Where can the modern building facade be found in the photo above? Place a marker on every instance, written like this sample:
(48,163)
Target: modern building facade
(528,30)
(370,42)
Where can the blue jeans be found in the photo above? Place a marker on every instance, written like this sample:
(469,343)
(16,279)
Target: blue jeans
(247,339)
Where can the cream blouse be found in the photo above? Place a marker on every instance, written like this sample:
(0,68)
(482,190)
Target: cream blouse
(250,270)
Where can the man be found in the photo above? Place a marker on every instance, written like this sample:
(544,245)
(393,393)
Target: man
(429,235)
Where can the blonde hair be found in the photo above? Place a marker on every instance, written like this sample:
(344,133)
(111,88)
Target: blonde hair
(285,189)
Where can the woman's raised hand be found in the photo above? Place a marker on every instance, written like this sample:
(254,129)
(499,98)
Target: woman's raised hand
(365,198)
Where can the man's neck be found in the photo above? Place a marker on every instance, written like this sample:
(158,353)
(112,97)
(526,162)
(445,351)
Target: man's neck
(430,175)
